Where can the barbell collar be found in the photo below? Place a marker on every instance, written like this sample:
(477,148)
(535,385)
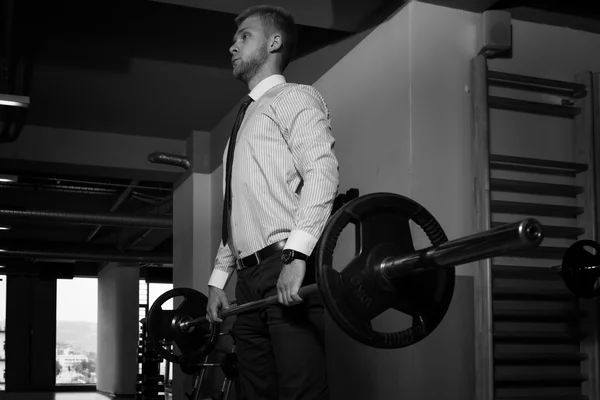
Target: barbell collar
(495,242)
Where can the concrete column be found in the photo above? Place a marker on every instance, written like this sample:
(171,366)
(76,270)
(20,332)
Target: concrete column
(196,221)
(118,327)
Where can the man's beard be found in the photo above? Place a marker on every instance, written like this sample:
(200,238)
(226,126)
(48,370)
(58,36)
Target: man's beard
(247,69)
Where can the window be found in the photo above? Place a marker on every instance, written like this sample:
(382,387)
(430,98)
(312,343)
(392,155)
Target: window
(76,331)
(2,330)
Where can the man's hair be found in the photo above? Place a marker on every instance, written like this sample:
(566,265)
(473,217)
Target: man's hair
(274,18)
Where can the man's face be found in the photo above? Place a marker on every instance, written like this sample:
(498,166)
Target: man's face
(249,49)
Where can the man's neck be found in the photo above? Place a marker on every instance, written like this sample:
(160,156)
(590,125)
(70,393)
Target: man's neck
(264,73)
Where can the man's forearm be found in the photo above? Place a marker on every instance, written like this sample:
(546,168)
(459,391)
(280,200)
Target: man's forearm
(224,267)
(316,203)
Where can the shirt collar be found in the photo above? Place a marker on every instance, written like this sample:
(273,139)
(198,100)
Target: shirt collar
(265,85)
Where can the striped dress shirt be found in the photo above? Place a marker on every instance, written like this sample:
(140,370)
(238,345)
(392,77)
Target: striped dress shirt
(284,174)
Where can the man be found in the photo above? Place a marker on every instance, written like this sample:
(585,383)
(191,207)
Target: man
(284,179)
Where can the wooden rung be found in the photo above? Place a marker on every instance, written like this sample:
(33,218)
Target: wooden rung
(533,209)
(559,397)
(541,358)
(532,107)
(534,336)
(556,379)
(540,85)
(540,252)
(535,165)
(519,272)
(550,294)
(536,315)
(546,189)
(553,231)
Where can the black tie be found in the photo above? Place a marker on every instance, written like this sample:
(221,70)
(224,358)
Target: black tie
(229,163)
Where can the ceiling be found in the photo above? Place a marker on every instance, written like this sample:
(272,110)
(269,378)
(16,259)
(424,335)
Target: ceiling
(149,68)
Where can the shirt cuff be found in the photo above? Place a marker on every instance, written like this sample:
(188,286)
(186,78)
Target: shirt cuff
(218,278)
(301,241)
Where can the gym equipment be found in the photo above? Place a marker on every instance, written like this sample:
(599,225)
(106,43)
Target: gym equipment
(150,383)
(581,269)
(228,365)
(385,273)
(165,326)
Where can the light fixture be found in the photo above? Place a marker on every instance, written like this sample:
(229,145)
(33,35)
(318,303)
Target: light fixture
(8,178)
(13,100)
(5,227)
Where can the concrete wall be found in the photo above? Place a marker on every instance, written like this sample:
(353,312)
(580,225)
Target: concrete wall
(381,96)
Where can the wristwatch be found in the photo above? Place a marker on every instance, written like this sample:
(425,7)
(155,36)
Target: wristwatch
(288,255)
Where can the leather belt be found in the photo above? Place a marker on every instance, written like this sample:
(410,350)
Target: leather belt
(256,258)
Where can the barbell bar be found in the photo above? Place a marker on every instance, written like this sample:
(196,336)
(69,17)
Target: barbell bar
(385,273)
(492,243)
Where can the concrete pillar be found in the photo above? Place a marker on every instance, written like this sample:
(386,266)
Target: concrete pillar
(118,327)
(196,219)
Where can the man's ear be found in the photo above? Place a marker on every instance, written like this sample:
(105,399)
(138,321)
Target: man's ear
(276,43)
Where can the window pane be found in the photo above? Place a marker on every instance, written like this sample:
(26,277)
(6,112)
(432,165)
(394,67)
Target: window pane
(2,330)
(76,331)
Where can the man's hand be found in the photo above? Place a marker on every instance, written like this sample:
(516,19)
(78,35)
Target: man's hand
(217,300)
(290,280)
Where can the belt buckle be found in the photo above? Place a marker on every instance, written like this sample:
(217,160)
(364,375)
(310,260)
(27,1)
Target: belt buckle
(240,263)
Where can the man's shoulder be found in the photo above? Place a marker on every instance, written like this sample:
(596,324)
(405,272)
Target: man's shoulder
(289,90)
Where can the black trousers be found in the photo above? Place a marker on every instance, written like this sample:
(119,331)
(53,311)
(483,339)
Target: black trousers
(281,352)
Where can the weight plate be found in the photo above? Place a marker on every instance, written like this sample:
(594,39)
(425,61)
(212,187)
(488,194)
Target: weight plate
(164,327)
(581,267)
(354,296)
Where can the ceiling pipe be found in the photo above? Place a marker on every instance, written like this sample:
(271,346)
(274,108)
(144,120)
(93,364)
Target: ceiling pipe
(108,219)
(170,159)
(58,188)
(147,258)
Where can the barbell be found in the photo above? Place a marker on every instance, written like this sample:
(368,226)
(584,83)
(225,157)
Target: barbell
(386,273)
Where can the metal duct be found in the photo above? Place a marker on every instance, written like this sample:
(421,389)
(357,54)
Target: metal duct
(137,221)
(170,159)
(147,258)
(59,188)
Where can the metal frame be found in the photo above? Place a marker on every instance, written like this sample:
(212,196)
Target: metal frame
(484,360)
(586,171)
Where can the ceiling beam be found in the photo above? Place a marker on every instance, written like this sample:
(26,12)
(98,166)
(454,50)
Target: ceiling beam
(341,15)
(84,149)
(476,6)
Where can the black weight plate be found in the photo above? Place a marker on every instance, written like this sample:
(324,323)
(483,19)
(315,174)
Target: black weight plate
(354,296)
(164,327)
(581,269)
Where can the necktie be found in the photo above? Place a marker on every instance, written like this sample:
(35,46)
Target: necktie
(229,162)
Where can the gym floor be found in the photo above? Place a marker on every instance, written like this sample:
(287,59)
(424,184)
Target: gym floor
(62,396)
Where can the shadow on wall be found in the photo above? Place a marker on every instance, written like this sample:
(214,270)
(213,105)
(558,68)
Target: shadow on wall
(382,13)
(360,372)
